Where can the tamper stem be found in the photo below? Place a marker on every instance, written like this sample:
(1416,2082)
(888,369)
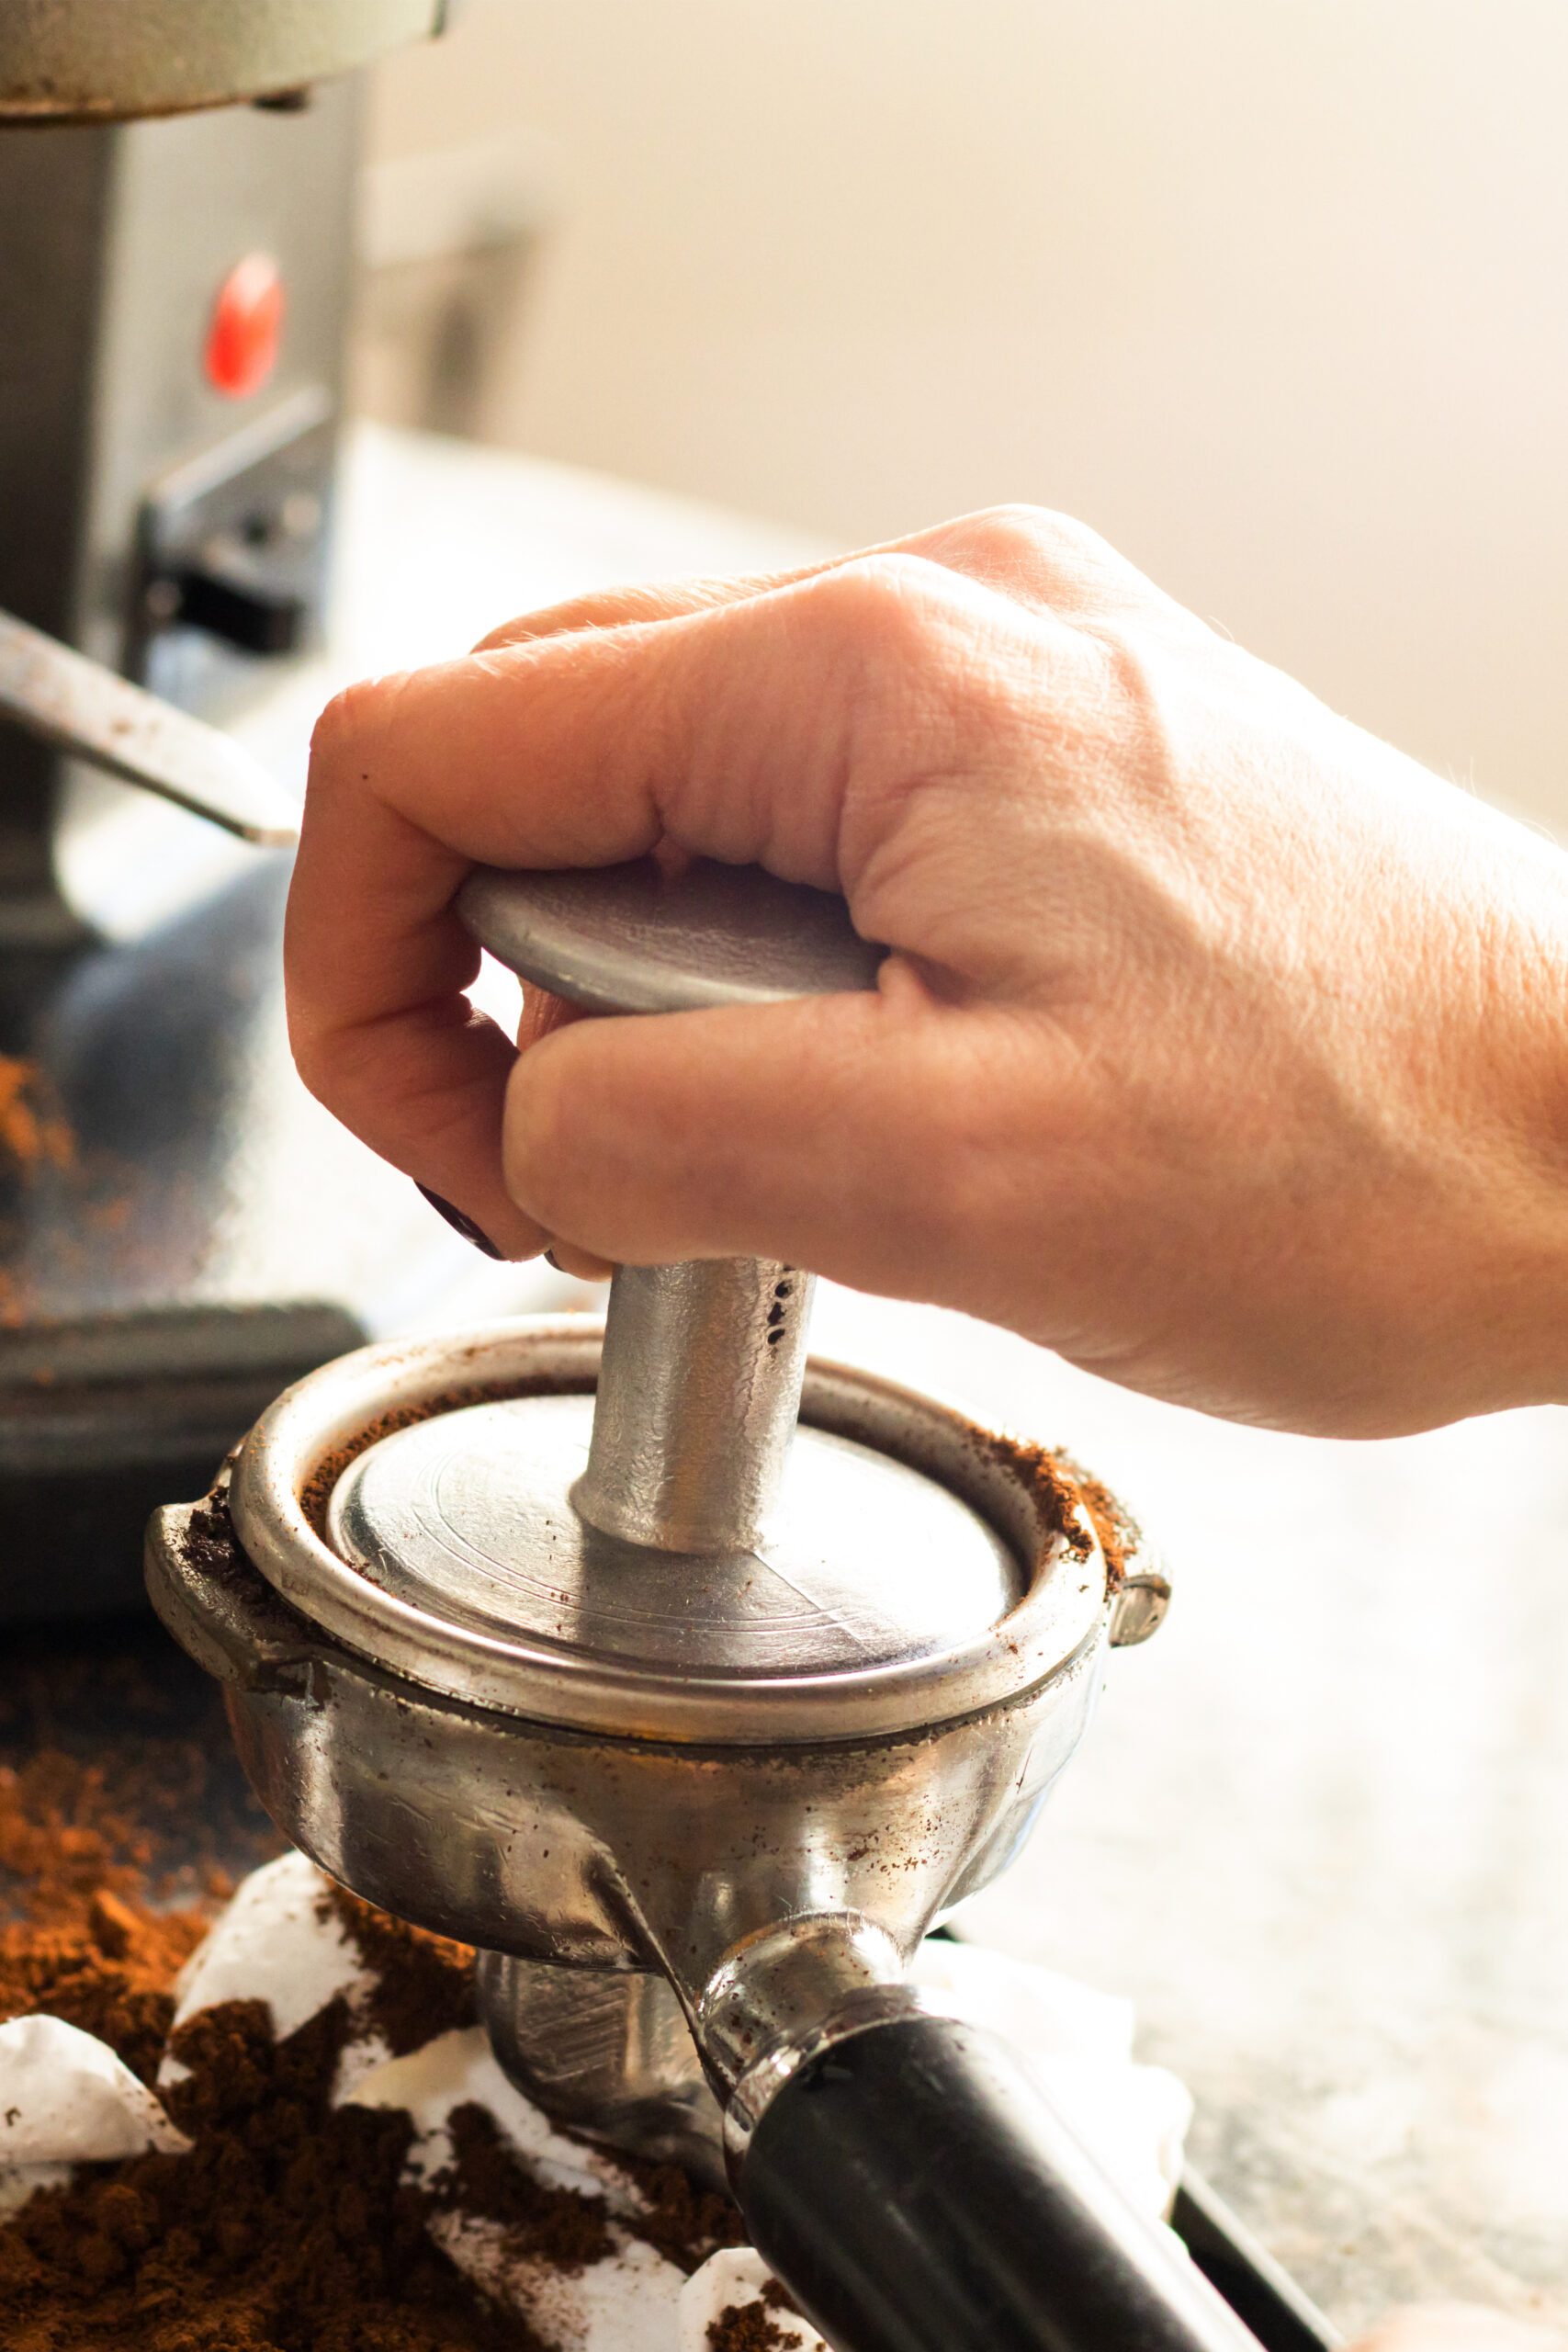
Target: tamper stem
(699,1389)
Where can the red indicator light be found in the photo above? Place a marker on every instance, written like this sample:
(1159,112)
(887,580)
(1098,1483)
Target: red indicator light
(246,323)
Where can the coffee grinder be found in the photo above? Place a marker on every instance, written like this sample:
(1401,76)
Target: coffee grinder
(181,1230)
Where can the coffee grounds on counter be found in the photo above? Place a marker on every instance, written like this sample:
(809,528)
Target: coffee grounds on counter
(682,2221)
(685,2220)
(484,2180)
(424,1984)
(288,2228)
(87,1948)
(751,2327)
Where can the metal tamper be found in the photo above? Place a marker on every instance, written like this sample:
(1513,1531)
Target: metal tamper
(693,1682)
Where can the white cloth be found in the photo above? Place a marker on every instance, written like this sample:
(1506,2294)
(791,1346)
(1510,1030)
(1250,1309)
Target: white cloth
(65,2098)
(624,2302)
(276,1943)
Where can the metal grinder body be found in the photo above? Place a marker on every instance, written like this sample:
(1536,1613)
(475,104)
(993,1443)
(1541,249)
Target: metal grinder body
(176,268)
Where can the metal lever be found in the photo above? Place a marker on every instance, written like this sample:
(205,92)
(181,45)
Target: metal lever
(64,698)
(699,1385)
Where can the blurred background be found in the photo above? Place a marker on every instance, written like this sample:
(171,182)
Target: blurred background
(1273,294)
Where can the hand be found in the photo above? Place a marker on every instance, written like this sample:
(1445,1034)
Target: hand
(1222,1048)
(1456,2327)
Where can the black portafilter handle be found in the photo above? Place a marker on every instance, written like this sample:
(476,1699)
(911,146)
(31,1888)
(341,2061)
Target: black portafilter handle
(916,2192)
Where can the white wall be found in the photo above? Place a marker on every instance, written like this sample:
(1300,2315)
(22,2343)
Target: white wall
(1273,292)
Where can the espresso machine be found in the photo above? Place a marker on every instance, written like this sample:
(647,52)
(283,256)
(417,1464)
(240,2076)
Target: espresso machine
(181,1231)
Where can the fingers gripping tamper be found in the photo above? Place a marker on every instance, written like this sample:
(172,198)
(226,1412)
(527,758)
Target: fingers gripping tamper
(692,1681)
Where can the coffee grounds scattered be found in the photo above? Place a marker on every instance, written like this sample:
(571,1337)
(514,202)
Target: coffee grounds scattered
(288,2228)
(31,1128)
(87,1948)
(112,1774)
(751,2327)
(559,2226)
(685,2222)
(425,1983)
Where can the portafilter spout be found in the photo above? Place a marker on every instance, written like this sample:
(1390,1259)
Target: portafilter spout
(730,1685)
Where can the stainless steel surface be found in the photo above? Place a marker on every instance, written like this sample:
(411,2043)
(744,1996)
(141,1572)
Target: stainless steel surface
(100,1418)
(773,1994)
(80,706)
(93,59)
(173,1162)
(468,1517)
(848,2009)
(606,2053)
(1142,1599)
(631,938)
(613,2054)
(114,242)
(699,1387)
(745,1682)
(167,1190)
(604,1849)
(166,1185)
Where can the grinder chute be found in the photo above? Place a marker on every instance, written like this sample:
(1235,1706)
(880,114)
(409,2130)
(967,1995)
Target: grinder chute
(693,1682)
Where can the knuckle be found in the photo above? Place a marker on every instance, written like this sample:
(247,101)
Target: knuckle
(1014,527)
(1030,536)
(888,602)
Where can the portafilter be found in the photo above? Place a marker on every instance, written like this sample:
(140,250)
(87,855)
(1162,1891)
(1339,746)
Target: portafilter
(693,1682)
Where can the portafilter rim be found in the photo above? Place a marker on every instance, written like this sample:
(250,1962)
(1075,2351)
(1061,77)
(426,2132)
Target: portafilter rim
(1010,1485)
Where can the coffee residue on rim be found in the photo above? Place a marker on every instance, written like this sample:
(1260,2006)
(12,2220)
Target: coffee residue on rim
(1120,1537)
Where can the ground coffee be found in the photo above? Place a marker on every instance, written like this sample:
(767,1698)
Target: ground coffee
(289,2227)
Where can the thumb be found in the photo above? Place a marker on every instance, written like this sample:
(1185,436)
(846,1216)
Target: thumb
(816,1131)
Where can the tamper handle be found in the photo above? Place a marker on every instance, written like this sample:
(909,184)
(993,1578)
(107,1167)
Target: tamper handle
(632,938)
(916,2192)
(699,1384)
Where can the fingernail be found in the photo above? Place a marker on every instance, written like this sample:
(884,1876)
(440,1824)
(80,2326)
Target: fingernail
(551,1260)
(459,1222)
